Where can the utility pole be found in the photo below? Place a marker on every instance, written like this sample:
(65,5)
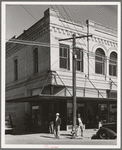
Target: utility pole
(87,22)
(74,82)
(74,78)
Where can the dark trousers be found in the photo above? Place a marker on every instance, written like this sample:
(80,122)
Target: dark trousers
(56,131)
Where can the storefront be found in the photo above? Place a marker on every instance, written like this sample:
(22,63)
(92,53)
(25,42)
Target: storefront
(92,110)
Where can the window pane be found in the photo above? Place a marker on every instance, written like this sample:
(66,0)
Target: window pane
(113,70)
(99,58)
(69,113)
(77,52)
(102,110)
(113,112)
(78,65)
(113,62)
(15,69)
(110,69)
(64,56)
(63,63)
(65,52)
(35,53)
(98,68)
(60,51)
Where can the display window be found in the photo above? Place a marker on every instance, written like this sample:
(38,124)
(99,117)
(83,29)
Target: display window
(112,112)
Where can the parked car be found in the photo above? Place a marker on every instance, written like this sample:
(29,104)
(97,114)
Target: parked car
(104,133)
(9,127)
(112,126)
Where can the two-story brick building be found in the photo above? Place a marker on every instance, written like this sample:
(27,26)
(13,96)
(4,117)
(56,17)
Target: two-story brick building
(39,73)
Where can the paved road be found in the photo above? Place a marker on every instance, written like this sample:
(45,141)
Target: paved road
(48,139)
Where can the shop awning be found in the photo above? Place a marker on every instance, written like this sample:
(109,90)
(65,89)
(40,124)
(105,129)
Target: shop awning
(42,97)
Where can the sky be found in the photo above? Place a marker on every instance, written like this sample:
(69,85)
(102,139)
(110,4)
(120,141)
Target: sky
(21,17)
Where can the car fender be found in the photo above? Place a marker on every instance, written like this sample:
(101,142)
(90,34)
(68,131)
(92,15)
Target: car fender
(111,134)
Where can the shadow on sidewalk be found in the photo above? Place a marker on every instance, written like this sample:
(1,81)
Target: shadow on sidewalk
(47,136)
(65,134)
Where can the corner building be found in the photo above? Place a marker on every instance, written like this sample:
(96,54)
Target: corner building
(39,73)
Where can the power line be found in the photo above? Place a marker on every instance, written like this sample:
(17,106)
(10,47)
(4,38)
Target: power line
(29,12)
(70,19)
(25,42)
(45,44)
(83,41)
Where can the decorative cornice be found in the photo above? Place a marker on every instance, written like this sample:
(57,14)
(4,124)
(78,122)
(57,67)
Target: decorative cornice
(104,41)
(66,32)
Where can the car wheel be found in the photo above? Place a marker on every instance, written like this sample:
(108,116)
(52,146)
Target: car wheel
(103,135)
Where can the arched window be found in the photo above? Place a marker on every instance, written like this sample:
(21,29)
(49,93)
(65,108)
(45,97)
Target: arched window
(35,60)
(16,69)
(113,64)
(100,61)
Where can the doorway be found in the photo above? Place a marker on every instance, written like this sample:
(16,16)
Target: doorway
(61,108)
(92,115)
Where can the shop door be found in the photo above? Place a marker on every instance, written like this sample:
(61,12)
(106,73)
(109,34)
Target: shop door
(47,114)
(92,115)
(63,115)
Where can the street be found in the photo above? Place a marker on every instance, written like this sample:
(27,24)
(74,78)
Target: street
(47,139)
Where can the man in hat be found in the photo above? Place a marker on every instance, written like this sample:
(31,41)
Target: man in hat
(80,125)
(57,124)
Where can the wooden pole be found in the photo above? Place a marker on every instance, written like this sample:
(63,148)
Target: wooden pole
(74,82)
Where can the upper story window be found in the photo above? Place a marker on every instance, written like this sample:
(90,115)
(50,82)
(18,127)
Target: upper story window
(100,61)
(64,56)
(35,58)
(113,64)
(16,69)
(79,60)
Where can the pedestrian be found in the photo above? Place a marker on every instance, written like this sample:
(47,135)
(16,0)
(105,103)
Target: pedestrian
(51,123)
(80,125)
(57,124)
(51,127)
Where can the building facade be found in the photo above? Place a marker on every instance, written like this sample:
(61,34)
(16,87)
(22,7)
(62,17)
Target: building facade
(39,72)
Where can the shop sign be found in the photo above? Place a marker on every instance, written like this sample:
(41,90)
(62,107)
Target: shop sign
(35,107)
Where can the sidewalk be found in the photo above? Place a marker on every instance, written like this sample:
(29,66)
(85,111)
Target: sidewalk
(87,133)
(65,139)
(67,134)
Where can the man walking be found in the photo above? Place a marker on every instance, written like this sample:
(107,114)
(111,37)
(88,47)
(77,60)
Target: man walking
(57,124)
(80,125)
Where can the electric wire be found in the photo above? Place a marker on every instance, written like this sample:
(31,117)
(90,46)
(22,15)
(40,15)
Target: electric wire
(26,42)
(29,12)
(31,41)
(82,40)
(68,15)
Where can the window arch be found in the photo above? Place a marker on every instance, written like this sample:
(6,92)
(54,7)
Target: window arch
(113,64)
(35,58)
(100,61)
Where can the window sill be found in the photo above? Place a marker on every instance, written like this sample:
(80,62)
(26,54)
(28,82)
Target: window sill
(97,74)
(110,76)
